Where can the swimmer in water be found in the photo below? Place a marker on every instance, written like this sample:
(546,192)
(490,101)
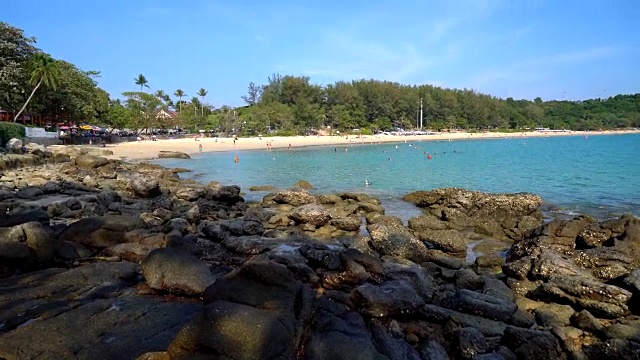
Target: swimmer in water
(367,183)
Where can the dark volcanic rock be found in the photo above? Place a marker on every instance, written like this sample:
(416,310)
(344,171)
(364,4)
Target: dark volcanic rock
(443,315)
(226,194)
(393,345)
(396,240)
(85,313)
(338,333)
(433,350)
(390,298)
(250,313)
(21,217)
(532,344)
(29,192)
(100,232)
(484,305)
(176,271)
(414,274)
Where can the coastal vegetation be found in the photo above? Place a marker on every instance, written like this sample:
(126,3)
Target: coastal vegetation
(285,104)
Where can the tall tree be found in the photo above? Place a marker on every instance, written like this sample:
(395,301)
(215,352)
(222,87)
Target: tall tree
(253,94)
(179,94)
(202,93)
(15,51)
(160,94)
(142,81)
(44,70)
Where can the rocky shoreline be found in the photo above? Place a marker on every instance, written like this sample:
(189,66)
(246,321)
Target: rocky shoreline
(103,259)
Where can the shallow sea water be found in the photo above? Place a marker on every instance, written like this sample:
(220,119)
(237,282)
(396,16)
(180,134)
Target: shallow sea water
(598,175)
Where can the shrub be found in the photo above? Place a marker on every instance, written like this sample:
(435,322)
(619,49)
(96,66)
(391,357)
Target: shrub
(9,131)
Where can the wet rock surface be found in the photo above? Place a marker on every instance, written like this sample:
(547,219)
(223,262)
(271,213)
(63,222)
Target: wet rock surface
(112,260)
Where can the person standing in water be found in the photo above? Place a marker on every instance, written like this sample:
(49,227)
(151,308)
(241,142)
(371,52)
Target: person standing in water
(200,148)
(235,159)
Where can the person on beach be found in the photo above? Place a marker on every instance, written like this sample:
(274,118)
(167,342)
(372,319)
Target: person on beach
(200,148)
(289,146)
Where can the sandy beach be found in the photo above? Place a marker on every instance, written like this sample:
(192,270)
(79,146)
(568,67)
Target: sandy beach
(148,149)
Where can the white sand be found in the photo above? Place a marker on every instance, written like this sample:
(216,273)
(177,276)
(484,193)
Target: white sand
(149,149)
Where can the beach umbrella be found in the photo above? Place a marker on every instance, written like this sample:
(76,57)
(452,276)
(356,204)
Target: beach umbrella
(64,128)
(86,127)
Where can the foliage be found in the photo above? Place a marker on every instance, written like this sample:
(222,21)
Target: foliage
(9,131)
(118,116)
(144,110)
(42,70)
(382,105)
(142,81)
(15,51)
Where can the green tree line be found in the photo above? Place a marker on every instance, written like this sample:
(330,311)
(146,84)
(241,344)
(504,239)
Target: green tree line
(383,105)
(32,81)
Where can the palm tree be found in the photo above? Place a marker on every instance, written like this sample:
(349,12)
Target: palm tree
(44,70)
(160,94)
(202,93)
(179,93)
(142,81)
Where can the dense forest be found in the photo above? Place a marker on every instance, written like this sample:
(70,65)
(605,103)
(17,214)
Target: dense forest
(385,105)
(33,82)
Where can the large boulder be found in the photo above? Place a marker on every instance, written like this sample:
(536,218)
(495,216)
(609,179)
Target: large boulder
(227,194)
(448,241)
(532,344)
(189,193)
(396,240)
(338,333)
(313,214)
(144,186)
(165,154)
(40,241)
(176,271)
(35,149)
(11,161)
(101,232)
(502,216)
(392,297)
(89,311)
(254,312)
(24,216)
(295,197)
(14,145)
(89,162)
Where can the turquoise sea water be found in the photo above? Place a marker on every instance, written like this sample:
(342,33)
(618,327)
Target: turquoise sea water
(598,175)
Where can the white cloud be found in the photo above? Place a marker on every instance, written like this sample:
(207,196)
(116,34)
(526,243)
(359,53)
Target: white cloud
(261,39)
(344,57)
(537,68)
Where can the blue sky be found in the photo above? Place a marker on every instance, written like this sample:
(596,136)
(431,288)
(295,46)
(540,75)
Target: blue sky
(571,49)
